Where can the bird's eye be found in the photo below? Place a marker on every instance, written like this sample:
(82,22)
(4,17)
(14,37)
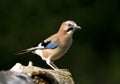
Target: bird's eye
(69,25)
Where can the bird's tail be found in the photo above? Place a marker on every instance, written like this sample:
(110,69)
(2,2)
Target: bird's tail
(26,51)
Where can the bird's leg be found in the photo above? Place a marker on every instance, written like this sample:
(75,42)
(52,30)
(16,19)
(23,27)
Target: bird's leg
(51,64)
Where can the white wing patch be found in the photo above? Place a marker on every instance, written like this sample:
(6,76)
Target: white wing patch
(40,46)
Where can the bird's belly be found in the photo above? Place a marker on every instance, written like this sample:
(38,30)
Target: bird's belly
(60,51)
(54,54)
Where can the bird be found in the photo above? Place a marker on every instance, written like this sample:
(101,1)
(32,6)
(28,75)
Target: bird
(56,45)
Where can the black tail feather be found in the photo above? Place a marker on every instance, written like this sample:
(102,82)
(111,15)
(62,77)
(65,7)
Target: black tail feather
(27,50)
(22,52)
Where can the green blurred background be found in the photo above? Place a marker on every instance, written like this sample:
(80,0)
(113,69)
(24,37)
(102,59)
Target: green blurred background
(94,57)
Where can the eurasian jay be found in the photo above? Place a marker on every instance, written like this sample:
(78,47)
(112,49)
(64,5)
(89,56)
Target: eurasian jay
(56,45)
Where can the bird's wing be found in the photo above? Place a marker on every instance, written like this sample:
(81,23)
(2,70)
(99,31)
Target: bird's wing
(50,43)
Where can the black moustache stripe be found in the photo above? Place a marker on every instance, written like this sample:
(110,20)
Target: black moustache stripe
(69,29)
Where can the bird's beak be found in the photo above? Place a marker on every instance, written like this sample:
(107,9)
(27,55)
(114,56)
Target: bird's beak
(78,27)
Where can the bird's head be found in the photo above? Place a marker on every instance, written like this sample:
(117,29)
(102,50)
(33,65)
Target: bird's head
(68,27)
